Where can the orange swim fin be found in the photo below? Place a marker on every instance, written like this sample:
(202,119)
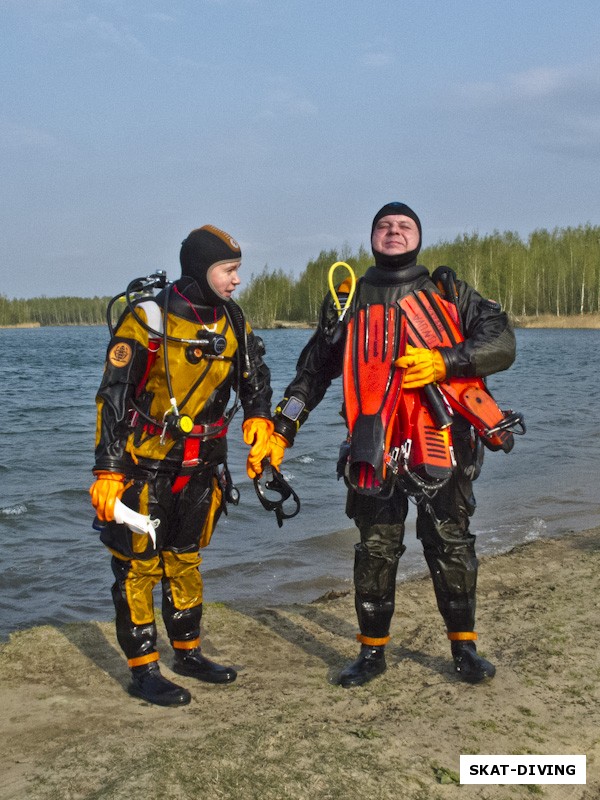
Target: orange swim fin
(433,322)
(394,434)
(376,338)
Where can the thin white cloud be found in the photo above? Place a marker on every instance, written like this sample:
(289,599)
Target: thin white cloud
(376,60)
(159,16)
(68,19)
(108,32)
(535,84)
(287,102)
(14,136)
(542,81)
(556,108)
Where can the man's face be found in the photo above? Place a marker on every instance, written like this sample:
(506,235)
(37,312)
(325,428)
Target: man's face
(395,234)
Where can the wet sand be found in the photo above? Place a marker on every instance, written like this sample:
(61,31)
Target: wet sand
(285,730)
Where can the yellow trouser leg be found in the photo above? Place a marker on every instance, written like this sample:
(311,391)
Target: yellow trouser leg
(182,598)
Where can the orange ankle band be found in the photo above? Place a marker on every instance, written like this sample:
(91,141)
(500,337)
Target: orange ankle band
(191,645)
(372,642)
(141,660)
(462,636)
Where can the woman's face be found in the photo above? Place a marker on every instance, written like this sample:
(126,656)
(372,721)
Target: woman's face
(224,279)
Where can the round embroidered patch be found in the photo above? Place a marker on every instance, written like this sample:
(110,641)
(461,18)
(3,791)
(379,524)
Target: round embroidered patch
(120,354)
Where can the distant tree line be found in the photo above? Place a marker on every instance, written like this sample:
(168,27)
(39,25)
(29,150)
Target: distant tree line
(553,272)
(54,311)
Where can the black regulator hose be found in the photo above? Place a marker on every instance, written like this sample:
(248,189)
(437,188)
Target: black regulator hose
(158,280)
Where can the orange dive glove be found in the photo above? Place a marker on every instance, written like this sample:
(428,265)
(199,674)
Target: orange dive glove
(257,432)
(277,445)
(108,487)
(422,367)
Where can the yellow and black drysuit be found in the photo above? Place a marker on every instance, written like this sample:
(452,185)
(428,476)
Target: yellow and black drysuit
(178,478)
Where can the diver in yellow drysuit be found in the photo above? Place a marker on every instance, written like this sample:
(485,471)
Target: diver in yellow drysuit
(161,450)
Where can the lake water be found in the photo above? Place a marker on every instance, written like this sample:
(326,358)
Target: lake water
(55,570)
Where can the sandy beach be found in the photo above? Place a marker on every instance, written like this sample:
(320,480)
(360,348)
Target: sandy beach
(285,730)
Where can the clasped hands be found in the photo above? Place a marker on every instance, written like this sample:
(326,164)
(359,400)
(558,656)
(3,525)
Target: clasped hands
(422,367)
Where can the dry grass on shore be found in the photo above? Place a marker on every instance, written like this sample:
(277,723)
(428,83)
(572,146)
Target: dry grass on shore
(552,321)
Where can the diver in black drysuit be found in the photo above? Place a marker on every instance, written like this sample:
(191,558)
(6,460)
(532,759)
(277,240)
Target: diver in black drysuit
(443,520)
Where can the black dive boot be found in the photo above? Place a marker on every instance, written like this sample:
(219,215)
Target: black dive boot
(369,664)
(193,664)
(148,683)
(469,666)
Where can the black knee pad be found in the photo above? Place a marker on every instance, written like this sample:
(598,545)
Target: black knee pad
(374,573)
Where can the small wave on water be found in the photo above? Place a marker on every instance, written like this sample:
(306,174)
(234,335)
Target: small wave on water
(13,511)
(502,538)
(537,530)
(69,494)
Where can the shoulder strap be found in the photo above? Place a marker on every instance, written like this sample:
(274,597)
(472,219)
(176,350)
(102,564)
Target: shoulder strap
(445,280)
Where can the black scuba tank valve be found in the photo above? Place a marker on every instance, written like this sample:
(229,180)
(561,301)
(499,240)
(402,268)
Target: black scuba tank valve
(157,280)
(160,278)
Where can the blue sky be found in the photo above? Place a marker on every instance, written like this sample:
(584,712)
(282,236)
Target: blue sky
(123,125)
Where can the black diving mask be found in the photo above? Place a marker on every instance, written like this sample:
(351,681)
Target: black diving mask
(274,491)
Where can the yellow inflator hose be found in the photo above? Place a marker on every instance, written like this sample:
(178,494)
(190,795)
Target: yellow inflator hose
(341,311)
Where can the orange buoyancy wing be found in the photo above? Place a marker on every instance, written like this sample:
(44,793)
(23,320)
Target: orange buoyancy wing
(429,455)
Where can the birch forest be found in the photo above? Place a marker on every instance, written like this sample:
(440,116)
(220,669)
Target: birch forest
(552,272)
(555,273)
